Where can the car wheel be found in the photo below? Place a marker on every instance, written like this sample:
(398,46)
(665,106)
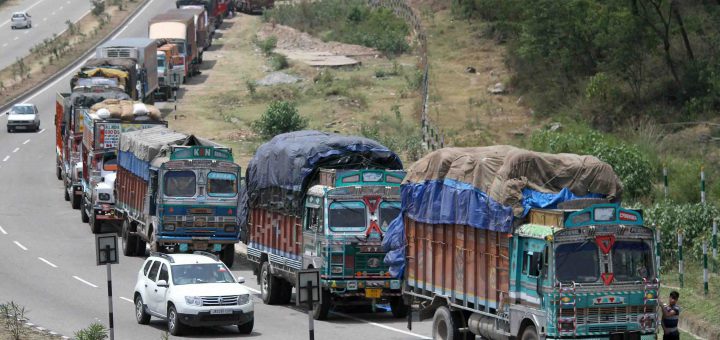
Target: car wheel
(247,327)
(9,129)
(141,316)
(173,320)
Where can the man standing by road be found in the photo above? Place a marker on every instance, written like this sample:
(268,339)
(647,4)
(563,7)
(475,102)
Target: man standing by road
(670,317)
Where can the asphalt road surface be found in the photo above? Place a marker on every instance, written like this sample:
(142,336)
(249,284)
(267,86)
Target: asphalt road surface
(47,256)
(48,18)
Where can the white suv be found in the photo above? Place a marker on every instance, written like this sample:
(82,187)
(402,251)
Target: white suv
(191,290)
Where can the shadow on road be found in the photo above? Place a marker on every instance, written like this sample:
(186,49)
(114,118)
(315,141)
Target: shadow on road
(205,332)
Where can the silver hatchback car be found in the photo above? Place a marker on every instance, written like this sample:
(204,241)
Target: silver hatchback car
(20,20)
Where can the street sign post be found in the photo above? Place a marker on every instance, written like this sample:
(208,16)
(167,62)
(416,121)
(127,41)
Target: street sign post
(106,253)
(308,291)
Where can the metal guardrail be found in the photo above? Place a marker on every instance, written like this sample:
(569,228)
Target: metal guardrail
(433,138)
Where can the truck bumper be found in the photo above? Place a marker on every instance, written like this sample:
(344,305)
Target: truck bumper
(77,189)
(364,289)
(618,335)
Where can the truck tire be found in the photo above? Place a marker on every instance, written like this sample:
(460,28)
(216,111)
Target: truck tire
(285,292)
(140,248)
(67,195)
(228,255)
(398,307)
(95,225)
(76,199)
(58,172)
(83,214)
(130,243)
(444,326)
(322,309)
(269,286)
(529,333)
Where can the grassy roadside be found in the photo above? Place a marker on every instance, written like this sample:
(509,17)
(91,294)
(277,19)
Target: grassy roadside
(223,102)
(52,55)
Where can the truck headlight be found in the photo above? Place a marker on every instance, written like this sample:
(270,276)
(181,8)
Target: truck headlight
(229,228)
(169,226)
(243,299)
(193,300)
(104,196)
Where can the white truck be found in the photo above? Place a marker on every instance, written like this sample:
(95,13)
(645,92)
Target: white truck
(144,52)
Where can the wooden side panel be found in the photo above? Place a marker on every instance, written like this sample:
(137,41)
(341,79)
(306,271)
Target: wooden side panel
(275,231)
(466,264)
(131,189)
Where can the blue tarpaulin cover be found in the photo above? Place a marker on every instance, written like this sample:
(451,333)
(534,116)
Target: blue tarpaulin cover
(490,188)
(283,168)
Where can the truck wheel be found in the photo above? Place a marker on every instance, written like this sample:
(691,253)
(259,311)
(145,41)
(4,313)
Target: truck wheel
(228,255)
(398,307)
(67,195)
(285,292)
(129,242)
(140,247)
(269,286)
(444,326)
(95,225)
(322,309)
(58,172)
(76,199)
(83,214)
(529,333)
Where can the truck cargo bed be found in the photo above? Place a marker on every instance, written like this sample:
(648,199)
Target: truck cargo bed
(275,233)
(131,191)
(468,265)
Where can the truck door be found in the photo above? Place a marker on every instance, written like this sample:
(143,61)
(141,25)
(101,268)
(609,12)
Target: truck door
(312,236)
(533,265)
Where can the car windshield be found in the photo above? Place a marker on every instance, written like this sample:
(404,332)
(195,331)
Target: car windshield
(180,183)
(347,216)
(18,16)
(23,110)
(388,212)
(632,260)
(185,274)
(222,184)
(577,262)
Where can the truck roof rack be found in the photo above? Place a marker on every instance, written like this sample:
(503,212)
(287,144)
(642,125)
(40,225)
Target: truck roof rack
(208,254)
(163,255)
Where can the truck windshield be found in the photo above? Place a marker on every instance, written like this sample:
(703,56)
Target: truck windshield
(577,262)
(632,260)
(183,274)
(161,62)
(347,216)
(222,184)
(180,183)
(388,212)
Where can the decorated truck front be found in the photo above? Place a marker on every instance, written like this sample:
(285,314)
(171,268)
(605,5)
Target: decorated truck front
(323,201)
(178,193)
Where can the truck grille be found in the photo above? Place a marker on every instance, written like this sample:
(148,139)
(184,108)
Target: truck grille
(201,211)
(118,53)
(605,315)
(228,300)
(371,263)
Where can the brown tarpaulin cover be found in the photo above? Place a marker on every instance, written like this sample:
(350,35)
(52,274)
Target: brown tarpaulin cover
(503,171)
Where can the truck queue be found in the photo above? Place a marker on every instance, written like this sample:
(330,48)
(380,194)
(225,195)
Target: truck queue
(494,241)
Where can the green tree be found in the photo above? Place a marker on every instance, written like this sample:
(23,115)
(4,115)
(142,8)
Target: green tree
(280,117)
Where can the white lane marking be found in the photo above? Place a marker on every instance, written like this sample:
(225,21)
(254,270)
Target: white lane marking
(69,72)
(26,32)
(25,142)
(16,150)
(41,131)
(126,299)
(252,289)
(47,262)
(3,231)
(60,8)
(5,44)
(382,326)
(44,19)
(16,38)
(85,282)
(6,158)
(26,10)
(20,245)
(53,13)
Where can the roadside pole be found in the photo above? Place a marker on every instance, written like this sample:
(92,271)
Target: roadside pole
(702,184)
(715,246)
(658,245)
(705,268)
(308,291)
(106,254)
(665,181)
(681,267)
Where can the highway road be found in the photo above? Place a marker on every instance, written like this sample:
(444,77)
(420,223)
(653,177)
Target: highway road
(47,256)
(48,18)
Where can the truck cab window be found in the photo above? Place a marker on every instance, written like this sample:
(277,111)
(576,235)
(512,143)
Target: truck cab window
(388,212)
(314,220)
(632,260)
(347,216)
(579,262)
(222,184)
(180,184)
(532,263)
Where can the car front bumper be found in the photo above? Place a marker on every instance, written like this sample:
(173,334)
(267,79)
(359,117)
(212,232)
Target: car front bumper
(20,125)
(202,319)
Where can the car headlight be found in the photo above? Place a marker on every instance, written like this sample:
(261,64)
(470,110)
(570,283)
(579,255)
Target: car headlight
(193,300)
(104,196)
(243,299)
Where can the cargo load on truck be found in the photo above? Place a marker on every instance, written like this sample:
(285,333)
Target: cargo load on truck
(178,27)
(103,124)
(509,243)
(295,180)
(178,193)
(122,70)
(143,52)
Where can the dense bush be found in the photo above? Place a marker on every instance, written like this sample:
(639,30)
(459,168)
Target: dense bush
(95,331)
(693,219)
(348,21)
(280,117)
(630,164)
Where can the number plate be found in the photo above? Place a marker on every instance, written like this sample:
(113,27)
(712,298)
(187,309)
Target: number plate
(221,311)
(21,127)
(373,293)
(200,245)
